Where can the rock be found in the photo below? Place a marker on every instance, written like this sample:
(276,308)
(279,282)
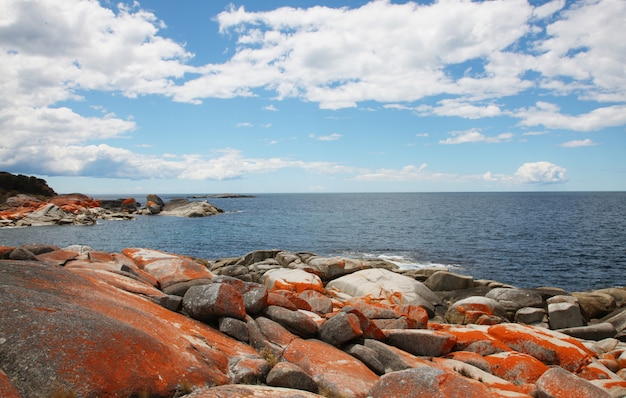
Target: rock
(557,382)
(106,341)
(167,268)
(186,208)
(471,358)
(275,332)
(292,279)
(7,389)
(340,329)
(548,346)
(318,302)
(241,390)
(617,319)
(384,285)
(234,328)
(427,382)
(476,309)
(595,305)
(335,267)
(615,388)
(58,257)
(335,372)
(445,280)
(530,315)
(421,342)
(514,299)
(295,321)
(564,315)
(516,367)
(367,356)
(289,375)
(475,340)
(21,253)
(393,358)
(209,302)
(597,331)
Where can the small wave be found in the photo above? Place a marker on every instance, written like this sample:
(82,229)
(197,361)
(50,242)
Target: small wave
(404,262)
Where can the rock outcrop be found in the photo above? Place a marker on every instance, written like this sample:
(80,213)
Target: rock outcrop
(76,322)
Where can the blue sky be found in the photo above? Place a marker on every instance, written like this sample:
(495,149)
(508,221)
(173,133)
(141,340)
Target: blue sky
(309,96)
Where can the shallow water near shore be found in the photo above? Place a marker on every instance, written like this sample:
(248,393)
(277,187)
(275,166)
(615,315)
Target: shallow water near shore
(573,240)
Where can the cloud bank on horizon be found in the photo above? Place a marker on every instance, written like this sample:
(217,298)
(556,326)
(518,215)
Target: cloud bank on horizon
(384,95)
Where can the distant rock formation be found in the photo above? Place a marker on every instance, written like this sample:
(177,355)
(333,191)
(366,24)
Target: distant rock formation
(12,185)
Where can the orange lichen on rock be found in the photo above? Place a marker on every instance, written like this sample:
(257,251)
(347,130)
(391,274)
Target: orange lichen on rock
(516,367)
(332,369)
(548,346)
(7,389)
(474,339)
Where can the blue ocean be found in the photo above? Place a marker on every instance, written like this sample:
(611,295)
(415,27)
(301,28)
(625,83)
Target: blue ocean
(573,240)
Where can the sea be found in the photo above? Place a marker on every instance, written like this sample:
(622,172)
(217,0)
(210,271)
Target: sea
(572,240)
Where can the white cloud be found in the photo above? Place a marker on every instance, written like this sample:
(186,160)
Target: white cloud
(550,116)
(474,136)
(460,108)
(244,124)
(540,173)
(330,137)
(578,143)
(271,108)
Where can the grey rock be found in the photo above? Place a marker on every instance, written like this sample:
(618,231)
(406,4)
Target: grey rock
(421,342)
(208,302)
(319,302)
(367,356)
(289,375)
(514,299)
(234,328)
(180,288)
(595,332)
(595,305)
(390,358)
(617,319)
(445,280)
(530,315)
(564,315)
(186,208)
(340,329)
(421,381)
(294,321)
(551,382)
(21,253)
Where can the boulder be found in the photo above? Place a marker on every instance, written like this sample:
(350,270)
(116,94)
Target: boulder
(296,321)
(393,358)
(292,279)
(476,309)
(564,315)
(530,315)
(209,302)
(340,329)
(428,382)
(595,305)
(514,299)
(186,208)
(106,341)
(557,382)
(548,346)
(516,367)
(334,267)
(367,356)
(421,342)
(289,375)
(597,331)
(475,340)
(318,302)
(234,328)
(335,372)
(274,332)
(445,280)
(384,285)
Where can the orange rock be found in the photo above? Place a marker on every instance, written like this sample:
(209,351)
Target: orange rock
(57,257)
(609,361)
(119,281)
(473,339)
(274,298)
(559,383)
(595,370)
(167,268)
(295,280)
(471,358)
(7,389)
(334,371)
(96,340)
(428,382)
(74,201)
(421,342)
(616,388)
(516,367)
(417,316)
(548,346)
(299,303)
(5,251)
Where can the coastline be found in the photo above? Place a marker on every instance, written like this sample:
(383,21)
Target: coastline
(285,318)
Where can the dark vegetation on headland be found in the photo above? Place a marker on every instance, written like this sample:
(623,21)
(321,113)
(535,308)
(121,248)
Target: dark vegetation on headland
(12,185)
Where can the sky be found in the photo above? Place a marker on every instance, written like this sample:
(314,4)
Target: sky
(156,96)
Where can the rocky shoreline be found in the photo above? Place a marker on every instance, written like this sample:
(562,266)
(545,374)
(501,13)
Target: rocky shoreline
(77,209)
(77,322)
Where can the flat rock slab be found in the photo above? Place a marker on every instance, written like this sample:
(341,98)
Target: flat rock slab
(61,329)
(242,390)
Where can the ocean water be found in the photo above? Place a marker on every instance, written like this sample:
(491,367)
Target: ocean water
(573,240)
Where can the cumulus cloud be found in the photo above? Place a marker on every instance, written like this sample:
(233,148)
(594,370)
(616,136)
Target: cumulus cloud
(474,136)
(540,173)
(549,115)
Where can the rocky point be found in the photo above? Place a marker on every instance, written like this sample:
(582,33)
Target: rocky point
(77,322)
